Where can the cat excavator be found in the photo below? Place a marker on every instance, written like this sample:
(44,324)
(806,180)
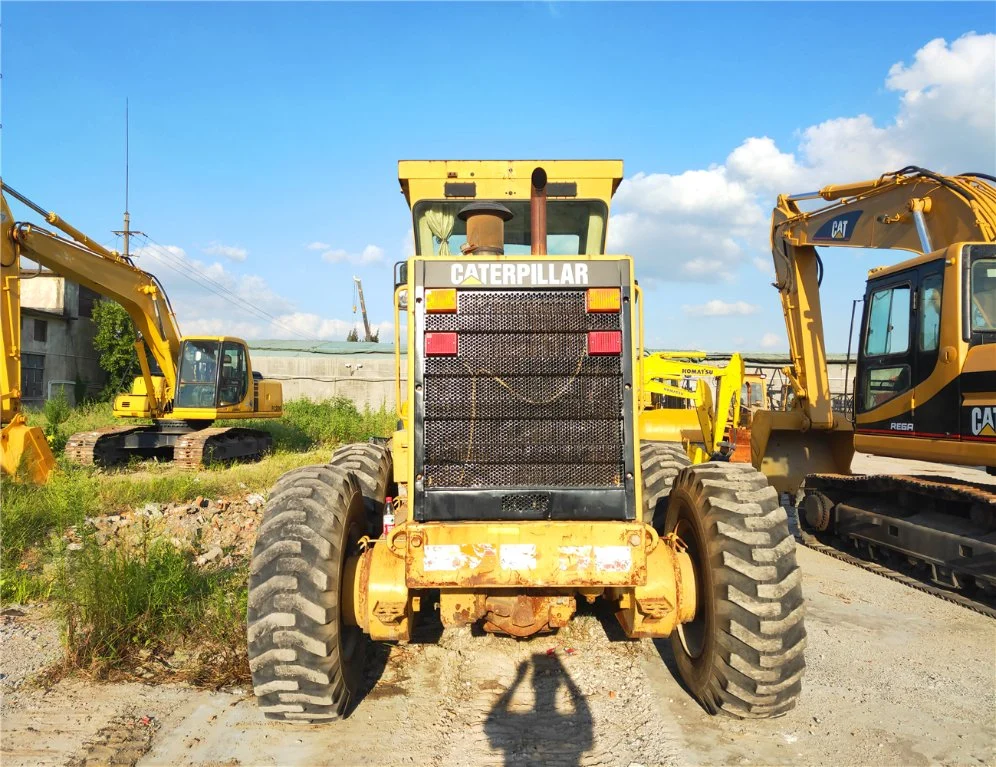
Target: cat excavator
(925,387)
(186,384)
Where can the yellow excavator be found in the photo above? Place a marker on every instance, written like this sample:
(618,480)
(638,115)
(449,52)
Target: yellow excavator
(678,410)
(186,384)
(926,373)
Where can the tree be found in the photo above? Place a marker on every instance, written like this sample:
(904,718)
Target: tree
(115,341)
(353,335)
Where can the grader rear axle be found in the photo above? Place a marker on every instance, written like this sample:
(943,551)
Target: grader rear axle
(519,578)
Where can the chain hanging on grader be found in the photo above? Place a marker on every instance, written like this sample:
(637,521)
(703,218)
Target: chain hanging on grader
(520,475)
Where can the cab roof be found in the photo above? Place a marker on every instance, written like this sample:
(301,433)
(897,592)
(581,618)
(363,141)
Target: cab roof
(507,179)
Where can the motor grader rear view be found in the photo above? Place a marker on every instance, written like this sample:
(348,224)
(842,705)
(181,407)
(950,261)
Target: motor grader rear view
(519,481)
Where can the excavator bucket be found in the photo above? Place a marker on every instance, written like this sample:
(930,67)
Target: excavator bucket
(670,425)
(785,450)
(24,449)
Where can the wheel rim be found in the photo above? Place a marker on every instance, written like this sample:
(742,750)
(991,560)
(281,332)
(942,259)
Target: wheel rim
(693,634)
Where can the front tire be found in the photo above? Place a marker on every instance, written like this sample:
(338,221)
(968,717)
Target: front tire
(743,652)
(307,664)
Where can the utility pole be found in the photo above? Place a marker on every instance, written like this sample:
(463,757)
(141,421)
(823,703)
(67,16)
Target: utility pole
(367,335)
(127,231)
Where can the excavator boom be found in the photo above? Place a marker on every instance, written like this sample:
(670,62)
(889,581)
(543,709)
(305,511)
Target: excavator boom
(913,210)
(194,382)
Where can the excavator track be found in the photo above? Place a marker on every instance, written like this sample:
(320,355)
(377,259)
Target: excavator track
(100,446)
(810,541)
(220,445)
(863,554)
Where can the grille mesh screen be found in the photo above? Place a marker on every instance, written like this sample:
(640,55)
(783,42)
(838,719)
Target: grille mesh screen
(522,404)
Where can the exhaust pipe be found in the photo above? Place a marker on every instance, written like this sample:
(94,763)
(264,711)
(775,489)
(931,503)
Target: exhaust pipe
(537,213)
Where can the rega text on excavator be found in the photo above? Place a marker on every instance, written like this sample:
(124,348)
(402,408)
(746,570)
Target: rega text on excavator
(926,372)
(186,385)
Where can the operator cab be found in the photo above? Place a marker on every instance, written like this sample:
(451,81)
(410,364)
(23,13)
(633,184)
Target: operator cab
(214,373)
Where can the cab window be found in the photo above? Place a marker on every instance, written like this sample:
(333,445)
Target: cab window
(198,374)
(882,384)
(930,313)
(888,330)
(574,227)
(983,299)
(234,381)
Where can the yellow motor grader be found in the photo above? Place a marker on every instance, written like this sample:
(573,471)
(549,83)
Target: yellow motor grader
(518,478)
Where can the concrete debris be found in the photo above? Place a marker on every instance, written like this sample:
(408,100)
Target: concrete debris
(219,531)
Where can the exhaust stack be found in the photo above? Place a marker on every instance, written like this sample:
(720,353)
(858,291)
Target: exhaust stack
(537,213)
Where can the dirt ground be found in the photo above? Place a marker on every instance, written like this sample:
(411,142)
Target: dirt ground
(894,677)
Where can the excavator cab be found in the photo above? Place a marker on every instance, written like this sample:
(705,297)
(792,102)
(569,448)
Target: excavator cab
(214,373)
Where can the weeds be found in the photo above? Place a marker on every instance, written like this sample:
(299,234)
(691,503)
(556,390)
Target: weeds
(307,424)
(122,609)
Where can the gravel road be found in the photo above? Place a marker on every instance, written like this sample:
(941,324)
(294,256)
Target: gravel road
(894,677)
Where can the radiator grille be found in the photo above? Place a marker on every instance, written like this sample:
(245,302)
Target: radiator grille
(522,404)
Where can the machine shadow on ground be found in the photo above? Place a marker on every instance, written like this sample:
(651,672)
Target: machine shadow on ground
(554,728)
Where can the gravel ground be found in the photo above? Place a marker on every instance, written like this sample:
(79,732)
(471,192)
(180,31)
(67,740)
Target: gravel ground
(884,686)
(894,677)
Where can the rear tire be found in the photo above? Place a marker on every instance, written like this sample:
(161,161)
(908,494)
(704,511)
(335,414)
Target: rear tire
(373,468)
(307,664)
(660,463)
(743,652)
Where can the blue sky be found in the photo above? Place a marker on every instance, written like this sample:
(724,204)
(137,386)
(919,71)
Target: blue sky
(258,129)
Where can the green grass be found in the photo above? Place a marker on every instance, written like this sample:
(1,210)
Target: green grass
(119,609)
(307,424)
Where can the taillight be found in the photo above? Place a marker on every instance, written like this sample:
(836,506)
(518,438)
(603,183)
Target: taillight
(440,344)
(602,300)
(605,342)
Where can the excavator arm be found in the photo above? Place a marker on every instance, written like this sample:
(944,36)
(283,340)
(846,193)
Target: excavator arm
(913,210)
(104,271)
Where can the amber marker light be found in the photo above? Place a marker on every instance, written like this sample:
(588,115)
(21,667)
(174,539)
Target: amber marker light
(602,300)
(440,300)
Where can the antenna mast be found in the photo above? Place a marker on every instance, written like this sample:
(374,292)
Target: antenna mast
(127,231)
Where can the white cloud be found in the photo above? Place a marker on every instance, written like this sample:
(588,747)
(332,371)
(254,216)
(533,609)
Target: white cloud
(211,300)
(371,254)
(703,225)
(772,340)
(717,308)
(763,265)
(232,252)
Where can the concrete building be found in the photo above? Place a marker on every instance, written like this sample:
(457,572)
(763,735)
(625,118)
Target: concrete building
(57,333)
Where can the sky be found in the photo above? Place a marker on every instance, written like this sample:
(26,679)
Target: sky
(264,138)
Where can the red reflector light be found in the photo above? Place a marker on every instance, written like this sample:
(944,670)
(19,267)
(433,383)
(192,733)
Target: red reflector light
(440,344)
(605,342)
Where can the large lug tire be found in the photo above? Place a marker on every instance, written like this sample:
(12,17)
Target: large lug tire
(660,463)
(371,464)
(743,652)
(307,664)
